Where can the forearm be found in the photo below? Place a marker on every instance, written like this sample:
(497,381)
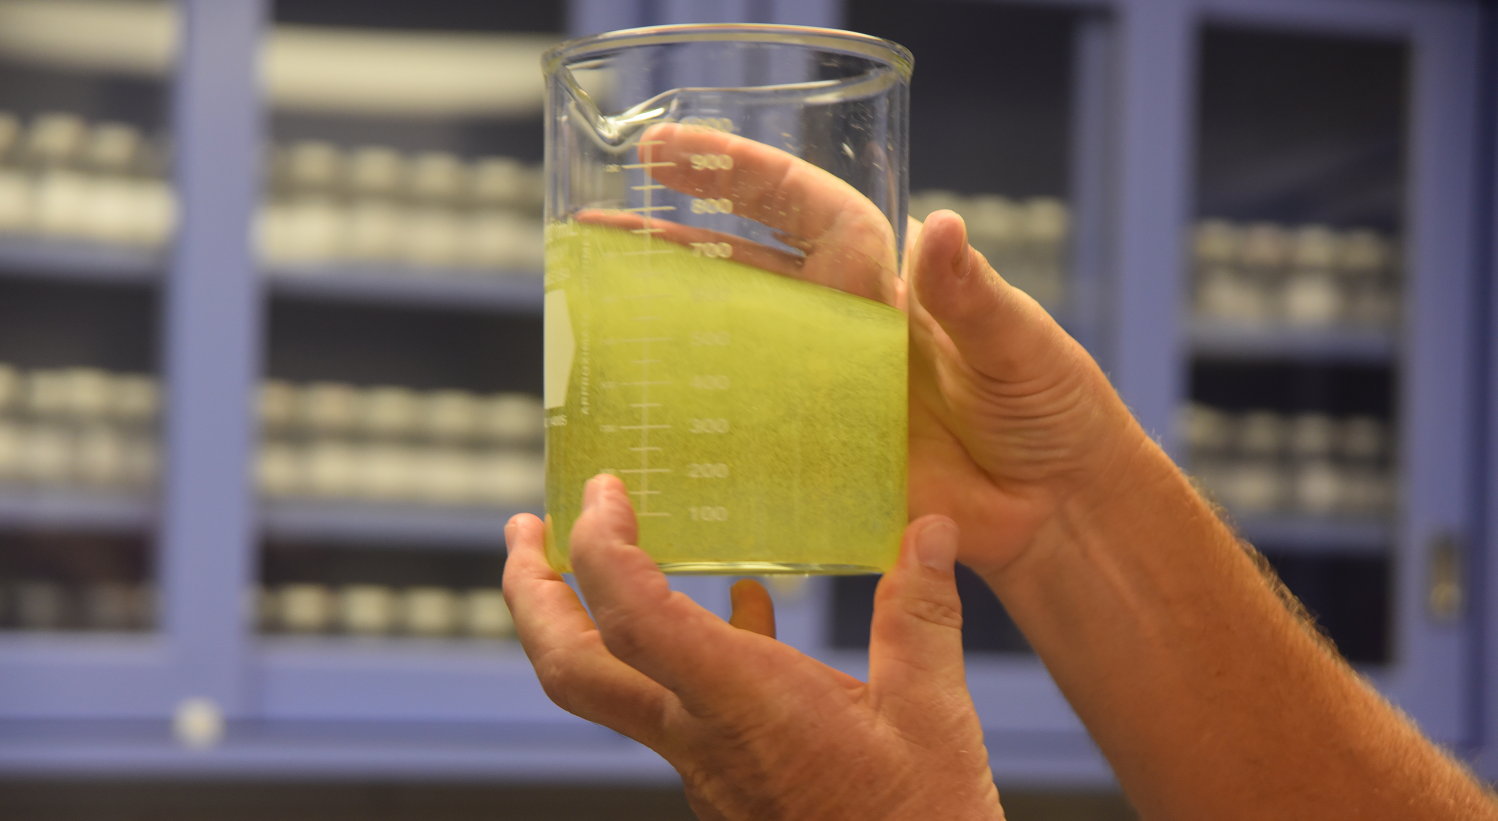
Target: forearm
(1210,698)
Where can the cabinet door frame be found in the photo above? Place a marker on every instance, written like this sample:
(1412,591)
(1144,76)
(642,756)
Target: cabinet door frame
(1432,672)
(210,346)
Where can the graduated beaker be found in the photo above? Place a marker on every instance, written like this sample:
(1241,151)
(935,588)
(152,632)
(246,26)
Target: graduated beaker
(725,219)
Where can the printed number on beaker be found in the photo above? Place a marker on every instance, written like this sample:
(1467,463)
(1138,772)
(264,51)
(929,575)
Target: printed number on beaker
(710,123)
(722,205)
(712,250)
(712,162)
(707,470)
(710,382)
(708,426)
(709,514)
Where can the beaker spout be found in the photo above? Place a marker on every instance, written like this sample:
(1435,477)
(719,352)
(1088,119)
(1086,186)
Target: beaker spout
(616,129)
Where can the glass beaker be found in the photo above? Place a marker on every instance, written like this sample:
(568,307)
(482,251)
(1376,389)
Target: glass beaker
(725,219)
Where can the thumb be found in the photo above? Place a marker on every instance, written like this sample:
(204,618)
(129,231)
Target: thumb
(915,643)
(996,327)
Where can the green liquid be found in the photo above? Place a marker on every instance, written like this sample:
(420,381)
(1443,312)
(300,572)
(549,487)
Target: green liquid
(759,421)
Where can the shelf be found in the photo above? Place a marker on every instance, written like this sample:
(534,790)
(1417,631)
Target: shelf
(1222,340)
(564,748)
(78,260)
(76,510)
(518,291)
(396,525)
(1316,535)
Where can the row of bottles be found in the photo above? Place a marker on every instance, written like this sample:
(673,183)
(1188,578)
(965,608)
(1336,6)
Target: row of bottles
(63,177)
(1308,276)
(79,427)
(44,604)
(374,205)
(332,440)
(427,611)
(327,468)
(388,412)
(1025,241)
(1260,462)
(297,608)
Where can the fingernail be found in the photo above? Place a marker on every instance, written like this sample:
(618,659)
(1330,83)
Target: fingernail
(936,546)
(962,259)
(590,493)
(510,531)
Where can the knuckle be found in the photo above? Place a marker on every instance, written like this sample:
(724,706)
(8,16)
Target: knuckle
(938,610)
(624,641)
(558,677)
(924,599)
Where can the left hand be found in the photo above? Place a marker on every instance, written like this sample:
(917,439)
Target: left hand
(755,728)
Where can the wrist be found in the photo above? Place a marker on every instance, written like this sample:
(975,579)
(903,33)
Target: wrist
(1118,503)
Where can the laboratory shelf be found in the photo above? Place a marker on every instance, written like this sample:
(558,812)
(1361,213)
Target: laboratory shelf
(49,674)
(510,292)
(95,511)
(503,753)
(1318,535)
(564,750)
(348,678)
(79,261)
(403,525)
(1223,340)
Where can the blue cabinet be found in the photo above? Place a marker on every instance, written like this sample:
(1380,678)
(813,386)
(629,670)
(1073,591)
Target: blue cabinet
(1118,171)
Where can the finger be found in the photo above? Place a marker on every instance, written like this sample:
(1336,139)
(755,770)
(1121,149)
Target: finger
(912,241)
(915,643)
(660,633)
(559,638)
(753,609)
(995,327)
(765,184)
(848,242)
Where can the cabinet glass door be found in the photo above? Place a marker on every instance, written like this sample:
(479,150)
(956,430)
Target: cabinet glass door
(399,415)
(1314,364)
(87,217)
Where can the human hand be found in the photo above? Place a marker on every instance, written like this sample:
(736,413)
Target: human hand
(1011,421)
(755,728)
(1013,427)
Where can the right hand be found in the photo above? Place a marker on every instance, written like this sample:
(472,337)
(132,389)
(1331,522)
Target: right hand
(1013,426)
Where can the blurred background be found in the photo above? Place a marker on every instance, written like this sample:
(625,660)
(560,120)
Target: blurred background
(270,334)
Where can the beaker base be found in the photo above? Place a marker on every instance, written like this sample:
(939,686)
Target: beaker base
(765,569)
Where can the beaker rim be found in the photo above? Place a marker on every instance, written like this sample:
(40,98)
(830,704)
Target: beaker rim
(838,40)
